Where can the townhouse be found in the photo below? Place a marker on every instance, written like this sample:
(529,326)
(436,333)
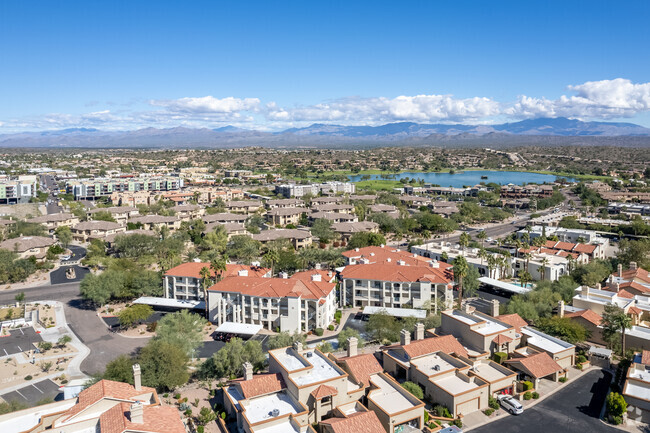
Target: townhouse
(104,407)
(395,285)
(386,209)
(246,207)
(55,220)
(444,250)
(346,229)
(636,390)
(284,216)
(232,229)
(284,203)
(188,212)
(87,230)
(302,303)
(184,282)
(334,217)
(121,214)
(224,217)
(299,238)
(334,208)
(28,246)
(484,334)
(157,222)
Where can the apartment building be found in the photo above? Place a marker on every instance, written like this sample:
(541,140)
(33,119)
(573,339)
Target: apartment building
(299,238)
(19,189)
(223,218)
(334,208)
(55,220)
(184,282)
(334,217)
(97,188)
(542,266)
(28,246)
(302,303)
(87,230)
(284,216)
(188,212)
(104,407)
(394,285)
(296,190)
(232,229)
(386,209)
(121,214)
(516,191)
(445,250)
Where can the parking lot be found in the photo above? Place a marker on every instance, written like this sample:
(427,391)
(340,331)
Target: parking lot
(573,409)
(19,340)
(34,393)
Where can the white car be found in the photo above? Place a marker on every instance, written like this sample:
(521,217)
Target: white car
(66,257)
(509,403)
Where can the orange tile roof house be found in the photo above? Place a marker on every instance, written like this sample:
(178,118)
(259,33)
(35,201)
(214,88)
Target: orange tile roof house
(304,302)
(636,389)
(537,366)
(395,284)
(105,407)
(184,282)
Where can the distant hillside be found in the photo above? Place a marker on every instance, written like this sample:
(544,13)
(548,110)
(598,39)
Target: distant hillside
(544,131)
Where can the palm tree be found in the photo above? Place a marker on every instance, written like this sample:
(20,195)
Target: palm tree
(271,257)
(491,263)
(205,276)
(482,236)
(572,262)
(505,262)
(482,254)
(460,271)
(544,262)
(463,240)
(527,256)
(524,278)
(615,320)
(219,267)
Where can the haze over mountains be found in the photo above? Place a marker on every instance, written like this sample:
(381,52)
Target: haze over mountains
(548,131)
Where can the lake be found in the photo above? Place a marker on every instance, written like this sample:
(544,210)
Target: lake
(473,177)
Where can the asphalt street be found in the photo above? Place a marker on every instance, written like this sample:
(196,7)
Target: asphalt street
(574,409)
(60,275)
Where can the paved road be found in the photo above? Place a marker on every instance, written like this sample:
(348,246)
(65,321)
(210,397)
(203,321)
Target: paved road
(575,409)
(59,276)
(104,346)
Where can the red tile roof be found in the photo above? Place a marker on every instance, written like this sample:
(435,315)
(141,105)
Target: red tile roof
(585,248)
(156,419)
(502,339)
(513,320)
(274,287)
(446,343)
(588,315)
(360,422)
(635,310)
(193,270)
(638,273)
(396,273)
(260,384)
(625,294)
(361,367)
(106,389)
(538,365)
(323,391)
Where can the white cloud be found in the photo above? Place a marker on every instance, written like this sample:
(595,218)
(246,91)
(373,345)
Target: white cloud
(208,104)
(606,99)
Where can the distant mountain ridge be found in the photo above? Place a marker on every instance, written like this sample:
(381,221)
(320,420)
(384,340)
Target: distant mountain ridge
(547,131)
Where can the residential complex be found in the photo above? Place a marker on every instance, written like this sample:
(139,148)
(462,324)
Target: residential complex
(94,189)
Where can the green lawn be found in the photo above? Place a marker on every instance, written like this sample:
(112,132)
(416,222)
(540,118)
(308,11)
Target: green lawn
(378,185)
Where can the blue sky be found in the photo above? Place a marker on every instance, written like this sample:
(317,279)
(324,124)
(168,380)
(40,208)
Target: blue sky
(270,65)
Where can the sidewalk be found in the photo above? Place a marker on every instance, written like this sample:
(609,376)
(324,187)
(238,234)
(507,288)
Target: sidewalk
(53,334)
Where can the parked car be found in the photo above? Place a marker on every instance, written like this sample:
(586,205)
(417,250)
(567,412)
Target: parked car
(65,257)
(509,403)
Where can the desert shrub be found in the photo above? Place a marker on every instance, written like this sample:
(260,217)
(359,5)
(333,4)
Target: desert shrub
(414,389)
(528,395)
(318,332)
(535,395)
(499,357)
(528,385)
(489,411)
(493,403)
(28,377)
(563,379)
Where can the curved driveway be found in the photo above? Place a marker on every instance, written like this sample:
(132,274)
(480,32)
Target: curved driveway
(91,330)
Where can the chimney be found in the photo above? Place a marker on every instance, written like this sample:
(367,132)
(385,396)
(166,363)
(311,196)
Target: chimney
(284,275)
(248,370)
(617,287)
(316,277)
(352,346)
(137,413)
(242,272)
(434,264)
(298,346)
(560,306)
(317,266)
(137,380)
(404,337)
(585,290)
(599,286)
(382,245)
(468,308)
(356,249)
(633,266)
(494,310)
(620,270)
(419,331)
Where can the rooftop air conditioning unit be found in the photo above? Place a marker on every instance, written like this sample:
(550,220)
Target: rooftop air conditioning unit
(275,412)
(436,367)
(309,354)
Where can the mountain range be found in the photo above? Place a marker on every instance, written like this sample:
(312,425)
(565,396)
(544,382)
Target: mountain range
(547,131)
